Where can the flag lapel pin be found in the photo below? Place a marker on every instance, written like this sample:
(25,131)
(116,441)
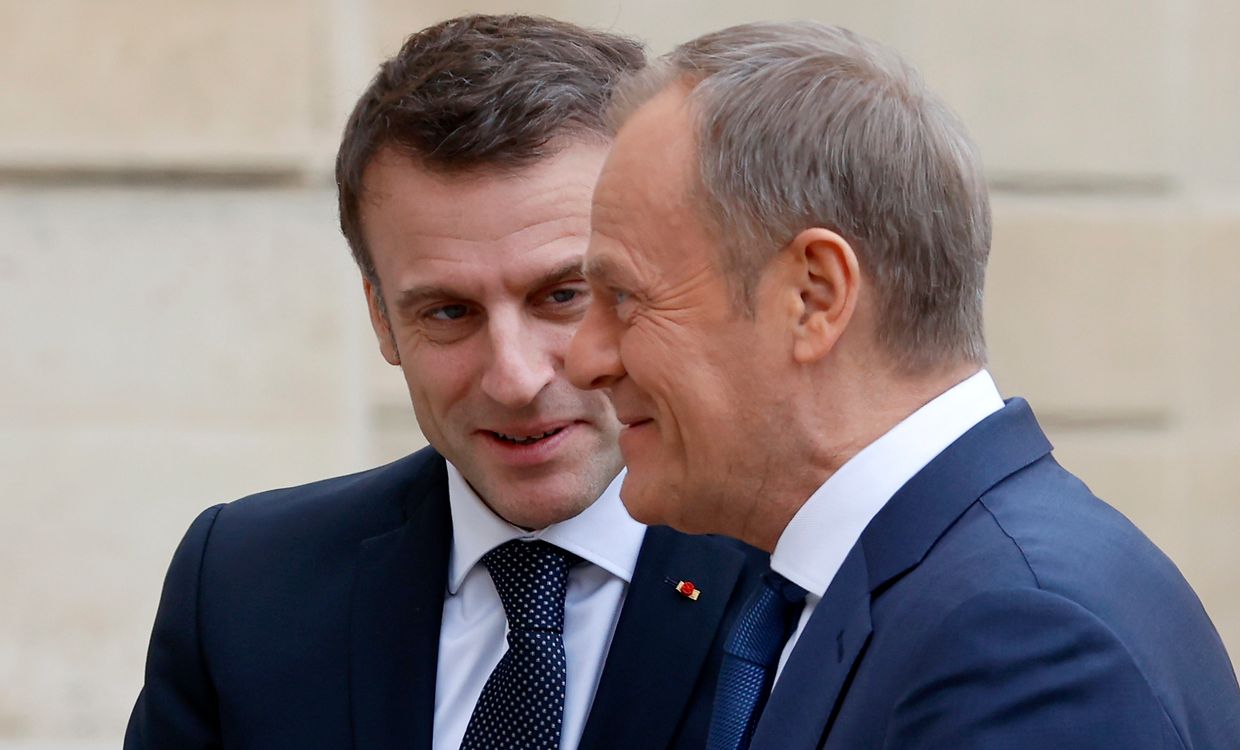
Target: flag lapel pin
(686,589)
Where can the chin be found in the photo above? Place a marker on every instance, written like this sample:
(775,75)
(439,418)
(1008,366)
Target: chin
(556,494)
(666,504)
(539,510)
(645,502)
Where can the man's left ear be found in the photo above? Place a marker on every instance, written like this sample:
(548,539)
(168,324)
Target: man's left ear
(826,277)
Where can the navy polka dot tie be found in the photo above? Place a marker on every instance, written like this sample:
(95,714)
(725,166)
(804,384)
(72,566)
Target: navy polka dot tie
(522,703)
(749,660)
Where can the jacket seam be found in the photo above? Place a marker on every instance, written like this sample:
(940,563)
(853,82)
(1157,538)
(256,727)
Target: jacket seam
(1144,677)
(1024,558)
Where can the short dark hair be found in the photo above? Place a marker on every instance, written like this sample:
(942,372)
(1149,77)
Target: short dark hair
(479,92)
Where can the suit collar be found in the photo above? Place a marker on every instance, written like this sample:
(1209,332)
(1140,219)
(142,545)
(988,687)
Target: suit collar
(808,693)
(818,538)
(397,609)
(662,639)
(909,525)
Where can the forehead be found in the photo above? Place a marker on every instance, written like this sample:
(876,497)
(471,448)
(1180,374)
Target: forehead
(415,220)
(650,161)
(481,204)
(644,197)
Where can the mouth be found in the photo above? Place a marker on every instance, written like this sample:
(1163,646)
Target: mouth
(529,446)
(635,432)
(523,438)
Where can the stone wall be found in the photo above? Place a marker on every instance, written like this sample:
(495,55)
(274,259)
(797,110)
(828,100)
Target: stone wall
(183,325)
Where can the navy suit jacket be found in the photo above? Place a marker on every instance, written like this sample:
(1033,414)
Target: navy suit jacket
(309,618)
(996,604)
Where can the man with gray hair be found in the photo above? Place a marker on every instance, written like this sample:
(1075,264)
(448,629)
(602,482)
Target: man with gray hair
(789,242)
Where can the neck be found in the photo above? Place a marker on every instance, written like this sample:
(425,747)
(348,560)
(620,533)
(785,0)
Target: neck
(852,412)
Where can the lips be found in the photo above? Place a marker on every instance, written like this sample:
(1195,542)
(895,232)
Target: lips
(517,437)
(530,445)
(635,437)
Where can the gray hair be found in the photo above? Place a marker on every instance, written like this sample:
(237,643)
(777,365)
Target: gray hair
(805,125)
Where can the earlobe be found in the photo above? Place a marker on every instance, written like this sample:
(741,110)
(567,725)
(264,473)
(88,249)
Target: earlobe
(828,280)
(379,321)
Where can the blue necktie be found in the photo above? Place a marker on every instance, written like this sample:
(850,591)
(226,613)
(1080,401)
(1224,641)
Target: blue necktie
(522,703)
(749,660)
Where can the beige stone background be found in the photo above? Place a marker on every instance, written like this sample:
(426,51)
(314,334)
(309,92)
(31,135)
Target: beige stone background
(181,323)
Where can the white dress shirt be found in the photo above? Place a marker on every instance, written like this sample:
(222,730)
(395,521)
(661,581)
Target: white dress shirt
(818,538)
(472,636)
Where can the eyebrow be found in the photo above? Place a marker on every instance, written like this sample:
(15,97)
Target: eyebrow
(602,270)
(416,295)
(566,271)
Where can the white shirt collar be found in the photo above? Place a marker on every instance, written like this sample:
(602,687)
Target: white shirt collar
(603,534)
(820,535)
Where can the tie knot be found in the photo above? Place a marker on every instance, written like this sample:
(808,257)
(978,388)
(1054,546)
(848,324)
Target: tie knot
(764,625)
(787,590)
(531,579)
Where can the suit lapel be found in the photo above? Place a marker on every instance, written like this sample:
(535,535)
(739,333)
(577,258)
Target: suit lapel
(397,609)
(808,691)
(661,641)
(918,514)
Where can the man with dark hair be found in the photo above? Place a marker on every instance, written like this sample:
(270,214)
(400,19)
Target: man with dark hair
(788,250)
(490,591)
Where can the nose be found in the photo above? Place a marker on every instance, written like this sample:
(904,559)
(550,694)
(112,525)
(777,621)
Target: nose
(522,363)
(593,359)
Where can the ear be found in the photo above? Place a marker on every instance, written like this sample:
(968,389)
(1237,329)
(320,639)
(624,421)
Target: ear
(379,321)
(828,278)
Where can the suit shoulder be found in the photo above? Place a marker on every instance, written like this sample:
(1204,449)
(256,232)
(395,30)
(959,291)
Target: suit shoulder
(341,510)
(1070,538)
(1026,644)
(382,485)
(1082,551)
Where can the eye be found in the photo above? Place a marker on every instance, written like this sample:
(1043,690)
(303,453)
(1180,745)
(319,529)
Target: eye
(618,297)
(563,296)
(448,312)
(566,300)
(623,305)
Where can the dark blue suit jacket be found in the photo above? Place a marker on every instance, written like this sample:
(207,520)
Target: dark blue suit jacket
(996,604)
(309,618)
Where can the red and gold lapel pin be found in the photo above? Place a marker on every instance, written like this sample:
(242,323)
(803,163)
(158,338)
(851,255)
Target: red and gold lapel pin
(686,589)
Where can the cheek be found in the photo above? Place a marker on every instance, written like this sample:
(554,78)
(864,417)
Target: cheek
(598,404)
(702,424)
(558,337)
(657,362)
(439,378)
